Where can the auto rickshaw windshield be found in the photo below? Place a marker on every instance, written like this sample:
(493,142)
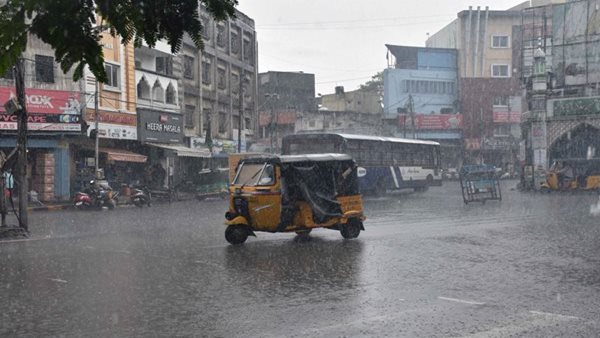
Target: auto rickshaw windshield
(252,174)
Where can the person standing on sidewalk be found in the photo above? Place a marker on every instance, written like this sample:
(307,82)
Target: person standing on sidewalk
(9,183)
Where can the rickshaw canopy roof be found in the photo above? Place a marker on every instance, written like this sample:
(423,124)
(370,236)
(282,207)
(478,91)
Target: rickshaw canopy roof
(290,159)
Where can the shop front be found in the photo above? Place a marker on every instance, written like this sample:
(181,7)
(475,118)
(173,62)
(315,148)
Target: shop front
(161,134)
(119,159)
(54,120)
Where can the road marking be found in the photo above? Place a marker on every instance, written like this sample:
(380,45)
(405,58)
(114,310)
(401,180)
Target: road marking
(58,280)
(555,315)
(461,301)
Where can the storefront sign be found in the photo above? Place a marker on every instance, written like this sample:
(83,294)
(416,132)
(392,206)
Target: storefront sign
(161,127)
(47,110)
(538,135)
(497,143)
(115,131)
(507,117)
(431,122)
(218,146)
(112,117)
(578,106)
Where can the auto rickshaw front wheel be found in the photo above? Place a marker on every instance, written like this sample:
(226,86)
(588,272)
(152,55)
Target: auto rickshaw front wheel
(351,229)
(236,234)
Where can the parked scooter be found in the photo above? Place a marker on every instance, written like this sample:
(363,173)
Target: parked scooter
(95,196)
(140,196)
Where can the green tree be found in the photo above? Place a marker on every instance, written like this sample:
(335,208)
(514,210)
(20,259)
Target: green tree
(71,27)
(375,84)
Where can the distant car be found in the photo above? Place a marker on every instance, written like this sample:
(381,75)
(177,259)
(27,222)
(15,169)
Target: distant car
(450,174)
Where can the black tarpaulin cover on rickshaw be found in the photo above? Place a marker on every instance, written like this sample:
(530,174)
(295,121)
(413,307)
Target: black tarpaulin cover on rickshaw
(318,180)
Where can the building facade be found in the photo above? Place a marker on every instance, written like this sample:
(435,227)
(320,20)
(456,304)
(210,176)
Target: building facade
(421,97)
(489,92)
(561,77)
(54,105)
(284,98)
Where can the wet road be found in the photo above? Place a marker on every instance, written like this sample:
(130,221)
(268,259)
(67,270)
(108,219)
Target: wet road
(427,266)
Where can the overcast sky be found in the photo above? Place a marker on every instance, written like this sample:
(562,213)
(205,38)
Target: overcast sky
(343,42)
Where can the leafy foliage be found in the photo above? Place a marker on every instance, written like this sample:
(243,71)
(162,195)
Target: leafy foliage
(373,85)
(71,27)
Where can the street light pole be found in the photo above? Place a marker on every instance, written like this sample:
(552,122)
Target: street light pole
(241,115)
(97,138)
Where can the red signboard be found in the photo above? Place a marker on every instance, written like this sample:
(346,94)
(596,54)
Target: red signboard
(431,122)
(47,110)
(507,117)
(286,117)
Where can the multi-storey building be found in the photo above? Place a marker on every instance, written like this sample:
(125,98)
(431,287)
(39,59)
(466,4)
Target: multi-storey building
(489,94)
(226,72)
(421,97)
(284,98)
(54,107)
(561,76)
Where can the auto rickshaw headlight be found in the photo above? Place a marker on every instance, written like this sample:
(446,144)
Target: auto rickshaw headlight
(230,215)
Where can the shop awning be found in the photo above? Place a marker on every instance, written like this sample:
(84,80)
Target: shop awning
(123,155)
(182,151)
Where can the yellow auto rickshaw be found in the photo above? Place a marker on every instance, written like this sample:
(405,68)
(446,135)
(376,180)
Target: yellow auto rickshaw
(583,175)
(294,193)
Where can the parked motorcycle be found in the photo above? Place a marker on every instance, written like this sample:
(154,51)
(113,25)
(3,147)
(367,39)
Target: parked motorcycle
(95,196)
(140,196)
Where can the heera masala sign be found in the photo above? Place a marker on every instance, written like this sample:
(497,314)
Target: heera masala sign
(47,110)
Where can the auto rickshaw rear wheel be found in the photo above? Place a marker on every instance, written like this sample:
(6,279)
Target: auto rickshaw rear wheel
(236,234)
(351,229)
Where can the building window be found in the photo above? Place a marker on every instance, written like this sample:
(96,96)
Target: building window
(248,51)
(248,123)
(235,80)
(189,116)
(164,65)
(235,42)
(188,67)
(500,71)
(500,41)
(206,78)
(143,89)
(158,94)
(501,101)
(44,68)
(221,82)
(113,75)
(206,119)
(502,130)
(312,123)
(206,28)
(171,94)
(222,123)
(221,36)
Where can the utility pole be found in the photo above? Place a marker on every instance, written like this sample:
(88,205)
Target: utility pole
(242,77)
(97,138)
(412,116)
(21,144)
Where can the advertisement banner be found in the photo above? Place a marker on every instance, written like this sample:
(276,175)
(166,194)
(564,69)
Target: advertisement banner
(431,122)
(218,145)
(115,131)
(507,117)
(47,110)
(159,126)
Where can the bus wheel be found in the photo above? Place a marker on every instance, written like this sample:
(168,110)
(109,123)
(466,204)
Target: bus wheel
(351,229)
(236,234)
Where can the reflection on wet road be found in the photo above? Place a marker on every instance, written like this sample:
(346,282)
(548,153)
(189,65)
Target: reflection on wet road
(428,265)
